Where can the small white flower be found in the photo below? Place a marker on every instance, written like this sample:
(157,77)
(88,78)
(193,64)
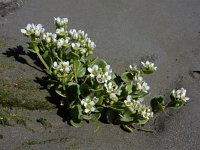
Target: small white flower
(76,46)
(55,64)
(60,43)
(89,104)
(61,22)
(180,95)
(32,29)
(100,78)
(62,67)
(142,86)
(61,31)
(94,71)
(149,66)
(138,78)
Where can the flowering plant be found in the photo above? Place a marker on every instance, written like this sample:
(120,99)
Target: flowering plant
(88,87)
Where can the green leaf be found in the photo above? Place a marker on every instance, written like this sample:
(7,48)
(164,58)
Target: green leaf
(100,62)
(84,90)
(127,77)
(78,69)
(33,47)
(129,89)
(59,92)
(157,104)
(100,100)
(139,94)
(127,116)
(68,78)
(47,57)
(111,115)
(72,55)
(86,117)
(73,90)
(146,71)
(76,113)
(95,116)
(141,121)
(175,104)
(76,124)
(119,106)
(127,128)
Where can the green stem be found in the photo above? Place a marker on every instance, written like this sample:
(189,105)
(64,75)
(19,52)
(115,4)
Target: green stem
(42,60)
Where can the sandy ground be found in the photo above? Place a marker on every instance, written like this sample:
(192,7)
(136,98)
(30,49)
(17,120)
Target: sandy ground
(125,31)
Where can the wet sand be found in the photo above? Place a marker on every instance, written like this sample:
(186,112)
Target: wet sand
(125,32)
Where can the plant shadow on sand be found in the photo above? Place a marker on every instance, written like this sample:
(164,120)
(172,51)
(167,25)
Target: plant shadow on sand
(18,51)
(19,54)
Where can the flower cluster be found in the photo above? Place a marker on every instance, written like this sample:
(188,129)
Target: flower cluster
(148,66)
(50,37)
(140,84)
(62,67)
(113,90)
(180,95)
(102,75)
(135,106)
(77,41)
(33,30)
(60,22)
(89,104)
(81,42)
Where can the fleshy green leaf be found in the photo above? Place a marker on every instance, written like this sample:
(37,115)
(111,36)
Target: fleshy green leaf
(127,128)
(129,89)
(175,104)
(111,116)
(76,113)
(78,69)
(84,90)
(59,92)
(127,116)
(127,77)
(100,62)
(157,104)
(77,124)
(72,55)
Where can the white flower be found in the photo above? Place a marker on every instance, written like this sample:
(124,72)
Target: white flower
(61,31)
(91,45)
(55,64)
(149,66)
(73,33)
(49,37)
(142,86)
(60,22)
(89,104)
(60,43)
(94,71)
(180,95)
(136,106)
(76,46)
(32,29)
(100,78)
(62,66)
(113,96)
(83,50)
(138,78)
(82,34)
(128,101)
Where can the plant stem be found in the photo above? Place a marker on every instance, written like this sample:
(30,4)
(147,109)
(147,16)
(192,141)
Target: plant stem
(42,60)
